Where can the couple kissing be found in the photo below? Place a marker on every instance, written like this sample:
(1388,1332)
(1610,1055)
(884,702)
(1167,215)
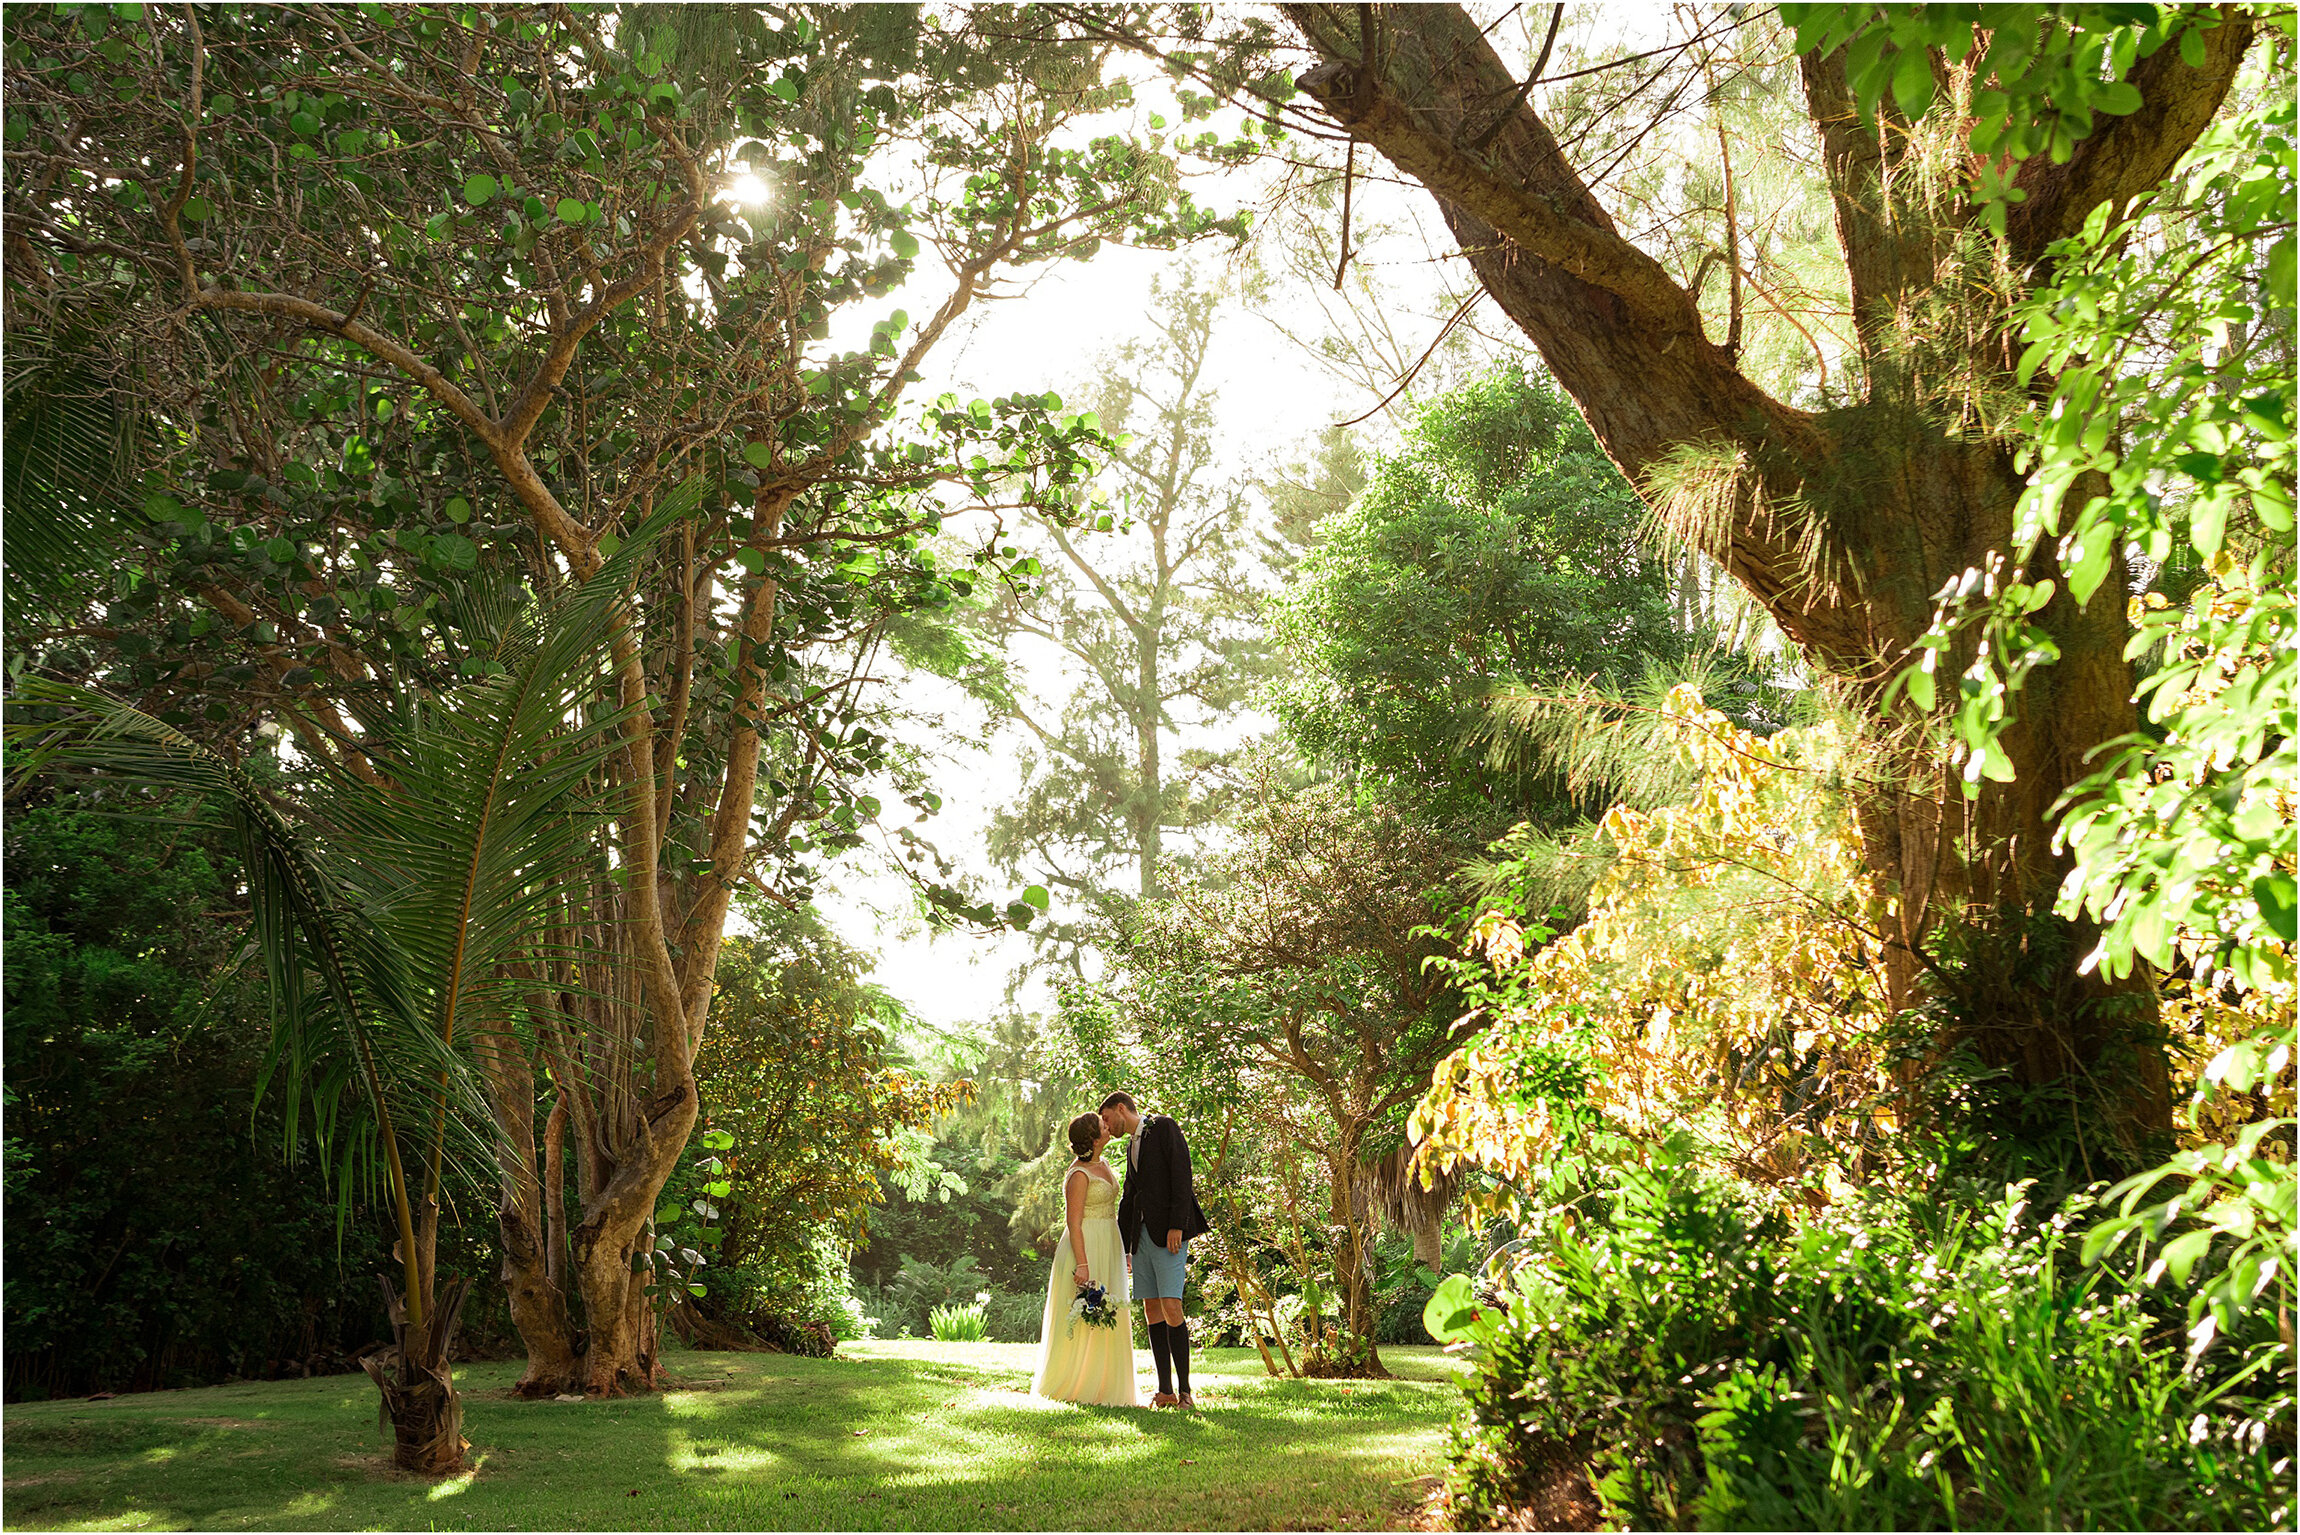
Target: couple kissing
(1120,1242)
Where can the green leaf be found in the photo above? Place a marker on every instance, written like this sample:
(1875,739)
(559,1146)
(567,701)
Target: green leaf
(2181,1255)
(479,190)
(452,551)
(2208,521)
(1453,1314)
(751,560)
(758,455)
(1920,683)
(458,509)
(572,210)
(2279,900)
(904,242)
(1913,81)
(196,210)
(2118,98)
(1037,896)
(2095,545)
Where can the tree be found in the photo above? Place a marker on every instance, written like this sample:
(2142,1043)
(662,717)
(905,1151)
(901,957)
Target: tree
(1843,521)
(1285,986)
(1496,550)
(804,1103)
(1155,610)
(407,919)
(430,303)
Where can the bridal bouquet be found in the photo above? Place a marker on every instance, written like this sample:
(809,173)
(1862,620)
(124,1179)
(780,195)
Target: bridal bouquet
(1093,1308)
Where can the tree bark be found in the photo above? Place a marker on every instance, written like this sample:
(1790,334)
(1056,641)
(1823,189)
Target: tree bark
(416,1379)
(1843,523)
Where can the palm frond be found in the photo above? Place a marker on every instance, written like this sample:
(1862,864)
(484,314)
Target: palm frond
(394,918)
(67,469)
(347,1010)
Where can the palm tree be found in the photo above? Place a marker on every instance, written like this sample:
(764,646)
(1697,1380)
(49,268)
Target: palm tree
(402,913)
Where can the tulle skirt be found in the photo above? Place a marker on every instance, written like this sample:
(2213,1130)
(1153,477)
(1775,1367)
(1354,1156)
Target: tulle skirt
(1078,1363)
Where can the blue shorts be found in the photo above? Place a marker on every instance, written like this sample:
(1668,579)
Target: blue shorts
(1157,1272)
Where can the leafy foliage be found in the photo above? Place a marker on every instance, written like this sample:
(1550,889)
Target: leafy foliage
(156,1235)
(2042,76)
(1726,981)
(1935,1361)
(1496,549)
(959,1324)
(805,1108)
(2162,428)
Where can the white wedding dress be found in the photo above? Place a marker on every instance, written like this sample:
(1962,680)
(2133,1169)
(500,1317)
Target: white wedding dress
(1076,1362)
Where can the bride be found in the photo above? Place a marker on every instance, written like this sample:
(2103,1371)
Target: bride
(1078,1362)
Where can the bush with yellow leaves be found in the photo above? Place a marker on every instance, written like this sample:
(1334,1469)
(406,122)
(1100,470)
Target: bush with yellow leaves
(1728,981)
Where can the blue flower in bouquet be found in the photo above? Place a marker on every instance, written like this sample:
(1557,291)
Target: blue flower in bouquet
(1092,1306)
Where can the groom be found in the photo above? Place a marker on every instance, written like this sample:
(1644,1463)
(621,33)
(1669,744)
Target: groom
(1157,1216)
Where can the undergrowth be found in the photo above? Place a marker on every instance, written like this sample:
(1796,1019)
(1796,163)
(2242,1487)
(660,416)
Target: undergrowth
(1939,1358)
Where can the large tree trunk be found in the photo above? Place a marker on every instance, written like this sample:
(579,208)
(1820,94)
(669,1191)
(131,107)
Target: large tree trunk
(1843,523)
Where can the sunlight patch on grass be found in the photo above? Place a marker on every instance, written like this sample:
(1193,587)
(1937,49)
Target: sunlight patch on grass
(712,1458)
(709,1404)
(457,1485)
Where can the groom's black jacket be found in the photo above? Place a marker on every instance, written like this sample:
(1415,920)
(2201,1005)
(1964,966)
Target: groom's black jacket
(1158,1196)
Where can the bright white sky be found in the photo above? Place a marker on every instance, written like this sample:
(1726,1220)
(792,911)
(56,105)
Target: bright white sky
(1275,399)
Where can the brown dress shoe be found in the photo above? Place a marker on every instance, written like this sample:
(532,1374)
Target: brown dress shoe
(1164,1399)
(1187,1403)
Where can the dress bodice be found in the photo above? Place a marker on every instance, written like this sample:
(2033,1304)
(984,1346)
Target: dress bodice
(1101,1199)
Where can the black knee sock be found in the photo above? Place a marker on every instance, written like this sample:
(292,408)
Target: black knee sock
(1159,1350)
(1178,1342)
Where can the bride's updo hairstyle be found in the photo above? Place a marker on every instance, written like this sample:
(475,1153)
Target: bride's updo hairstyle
(1084,1131)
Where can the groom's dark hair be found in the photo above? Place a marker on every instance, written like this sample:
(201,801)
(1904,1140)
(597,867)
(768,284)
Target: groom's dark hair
(1117,1098)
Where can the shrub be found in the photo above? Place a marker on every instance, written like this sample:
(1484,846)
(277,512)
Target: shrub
(813,1340)
(960,1324)
(158,1231)
(907,1301)
(1882,1366)
(1014,1318)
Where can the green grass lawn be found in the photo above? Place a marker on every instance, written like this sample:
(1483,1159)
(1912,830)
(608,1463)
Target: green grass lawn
(891,1436)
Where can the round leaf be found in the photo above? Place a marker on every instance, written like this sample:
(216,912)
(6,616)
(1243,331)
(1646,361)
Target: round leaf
(479,190)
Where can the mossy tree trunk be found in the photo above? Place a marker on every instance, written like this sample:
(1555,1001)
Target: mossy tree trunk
(1843,523)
